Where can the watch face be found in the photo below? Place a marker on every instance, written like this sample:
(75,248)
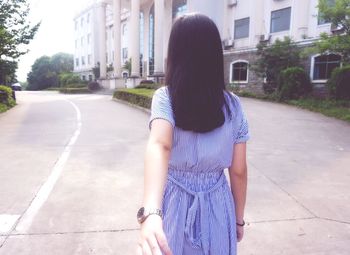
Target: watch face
(141,214)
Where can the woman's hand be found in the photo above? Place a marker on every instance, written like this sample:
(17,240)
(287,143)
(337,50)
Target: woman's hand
(152,239)
(240,233)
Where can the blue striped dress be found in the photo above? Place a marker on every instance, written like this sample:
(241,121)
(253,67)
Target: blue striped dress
(198,206)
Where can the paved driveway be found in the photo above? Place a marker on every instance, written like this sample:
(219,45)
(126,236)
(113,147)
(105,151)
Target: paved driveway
(71,178)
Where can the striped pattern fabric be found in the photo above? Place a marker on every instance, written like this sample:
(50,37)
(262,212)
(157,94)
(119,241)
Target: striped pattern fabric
(198,207)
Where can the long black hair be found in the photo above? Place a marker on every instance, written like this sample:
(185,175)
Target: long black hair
(195,74)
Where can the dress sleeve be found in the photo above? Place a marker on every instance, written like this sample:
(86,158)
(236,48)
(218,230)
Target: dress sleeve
(242,135)
(161,107)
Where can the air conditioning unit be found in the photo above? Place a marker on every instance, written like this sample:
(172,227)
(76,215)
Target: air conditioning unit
(337,29)
(232,3)
(264,38)
(228,43)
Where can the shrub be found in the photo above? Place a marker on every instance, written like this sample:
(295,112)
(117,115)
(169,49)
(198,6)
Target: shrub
(6,96)
(73,80)
(338,85)
(293,83)
(93,86)
(140,100)
(273,58)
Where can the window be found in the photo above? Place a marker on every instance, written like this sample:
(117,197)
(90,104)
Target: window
(76,25)
(320,20)
(82,22)
(88,18)
(90,77)
(179,8)
(241,28)
(82,41)
(239,71)
(89,59)
(76,44)
(77,62)
(125,53)
(83,77)
(323,65)
(124,30)
(83,61)
(280,20)
(88,38)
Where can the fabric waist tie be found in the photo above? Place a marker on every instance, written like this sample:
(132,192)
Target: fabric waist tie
(200,206)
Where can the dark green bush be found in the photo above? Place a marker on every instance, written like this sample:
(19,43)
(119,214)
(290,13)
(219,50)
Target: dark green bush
(293,83)
(94,86)
(6,97)
(139,100)
(339,83)
(75,90)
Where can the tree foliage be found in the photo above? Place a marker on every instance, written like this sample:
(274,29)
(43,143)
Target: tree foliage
(46,71)
(15,32)
(337,12)
(273,59)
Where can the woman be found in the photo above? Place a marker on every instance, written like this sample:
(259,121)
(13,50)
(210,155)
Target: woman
(197,130)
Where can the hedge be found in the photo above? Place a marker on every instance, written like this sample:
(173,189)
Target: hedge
(6,99)
(140,97)
(338,85)
(75,90)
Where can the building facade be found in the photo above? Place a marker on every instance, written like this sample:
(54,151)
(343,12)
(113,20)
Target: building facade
(111,33)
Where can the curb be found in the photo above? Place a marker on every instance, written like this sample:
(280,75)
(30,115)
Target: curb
(145,110)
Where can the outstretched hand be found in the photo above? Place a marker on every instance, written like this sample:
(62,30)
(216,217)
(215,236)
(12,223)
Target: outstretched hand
(152,239)
(240,233)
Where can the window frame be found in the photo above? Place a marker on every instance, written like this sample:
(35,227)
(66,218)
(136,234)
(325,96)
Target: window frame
(312,68)
(235,30)
(290,20)
(231,71)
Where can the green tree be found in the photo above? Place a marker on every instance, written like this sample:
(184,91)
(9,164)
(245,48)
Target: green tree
(49,71)
(15,32)
(336,12)
(273,59)
(62,63)
(41,75)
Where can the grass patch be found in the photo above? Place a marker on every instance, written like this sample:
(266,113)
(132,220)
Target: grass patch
(142,92)
(84,90)
(141,97)
(332,108)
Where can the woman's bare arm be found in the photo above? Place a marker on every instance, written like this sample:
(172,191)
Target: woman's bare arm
(238,179)
(156,162)
(152,239)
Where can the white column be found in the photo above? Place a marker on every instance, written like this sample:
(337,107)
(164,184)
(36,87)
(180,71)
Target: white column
(167,23)
(146,40)
(135,38)
(158,37)
(102,39)
(300,19)
(117,39)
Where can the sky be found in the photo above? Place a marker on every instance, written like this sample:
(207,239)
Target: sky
(56,33)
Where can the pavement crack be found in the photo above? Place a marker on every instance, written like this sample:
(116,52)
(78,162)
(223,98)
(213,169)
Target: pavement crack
(281,220)
(74,232)
(285,191)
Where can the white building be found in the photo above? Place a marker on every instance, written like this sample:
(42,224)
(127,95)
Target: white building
(140,30)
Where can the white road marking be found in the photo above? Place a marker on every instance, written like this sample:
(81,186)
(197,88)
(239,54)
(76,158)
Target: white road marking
(26,220)
(6,222)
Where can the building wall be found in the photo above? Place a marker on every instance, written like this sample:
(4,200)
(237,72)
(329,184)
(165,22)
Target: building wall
(304,28)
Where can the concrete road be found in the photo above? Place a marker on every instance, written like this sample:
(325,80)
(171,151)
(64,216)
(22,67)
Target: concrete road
(71,178)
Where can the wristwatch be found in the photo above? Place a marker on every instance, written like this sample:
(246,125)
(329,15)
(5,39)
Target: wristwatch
(143,213)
